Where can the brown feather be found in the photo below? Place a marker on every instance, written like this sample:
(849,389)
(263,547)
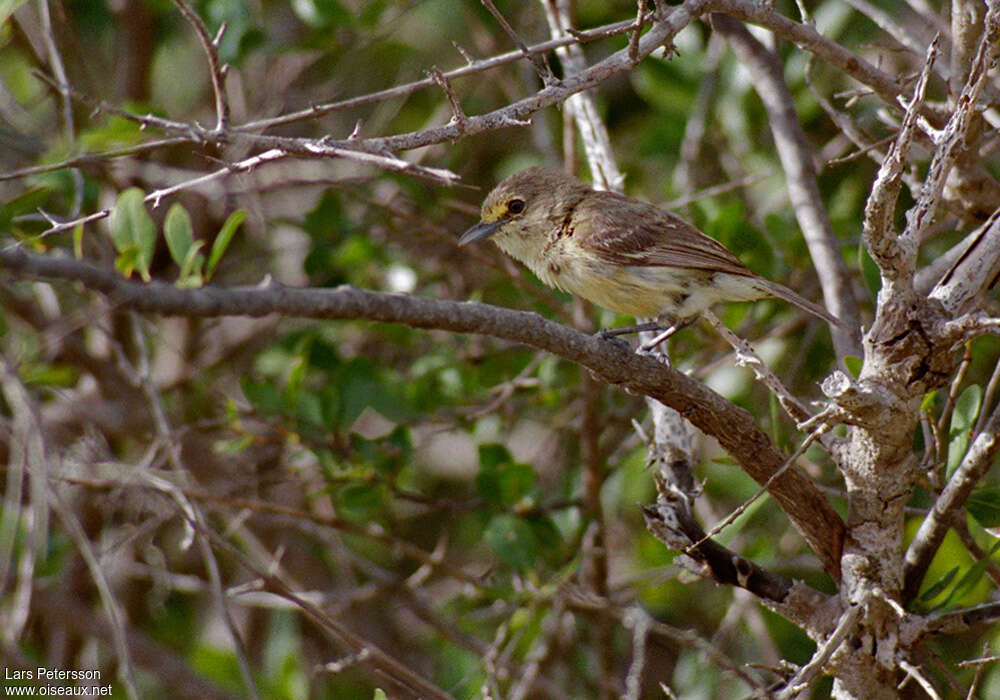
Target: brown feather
(653,236)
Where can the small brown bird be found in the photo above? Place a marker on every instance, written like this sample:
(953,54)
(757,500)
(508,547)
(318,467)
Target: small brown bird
(618,252)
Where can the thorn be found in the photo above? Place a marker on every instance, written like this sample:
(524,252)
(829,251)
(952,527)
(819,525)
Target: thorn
(218,35)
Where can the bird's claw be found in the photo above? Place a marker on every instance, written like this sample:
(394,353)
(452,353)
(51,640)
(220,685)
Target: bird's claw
(609,335)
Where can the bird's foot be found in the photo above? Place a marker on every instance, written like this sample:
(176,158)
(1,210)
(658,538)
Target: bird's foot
(611,336)
(608,333)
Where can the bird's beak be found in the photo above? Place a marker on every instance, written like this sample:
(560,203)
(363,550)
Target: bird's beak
(480,230)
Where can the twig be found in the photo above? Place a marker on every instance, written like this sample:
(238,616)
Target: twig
(541,67)
(192,517)
(894,259)
(893,26)
(798,163)
(94,158)
(952,137)
(983,660)
(217,70)
(471,68)
(540,649)
(806,36)
(975,463)
(380,659)
(374,532)
(988,396)
(640,23)
(694,128)
(593,133)
(672,522)
(747,357)
(917,675)
(59,69)
(944,421)
(742,508)
(457,114)
(807,673)
(80,539)
(638,621)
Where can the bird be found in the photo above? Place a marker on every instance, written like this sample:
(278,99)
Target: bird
(621,253)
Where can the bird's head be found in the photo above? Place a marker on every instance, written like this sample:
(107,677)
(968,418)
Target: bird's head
(529,204)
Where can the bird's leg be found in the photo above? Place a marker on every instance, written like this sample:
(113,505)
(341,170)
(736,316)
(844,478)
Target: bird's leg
(667,332)
(611,334)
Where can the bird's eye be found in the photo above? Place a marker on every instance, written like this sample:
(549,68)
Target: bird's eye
(515,206)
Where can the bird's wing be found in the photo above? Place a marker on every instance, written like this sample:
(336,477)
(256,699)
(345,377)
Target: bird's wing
(627,231)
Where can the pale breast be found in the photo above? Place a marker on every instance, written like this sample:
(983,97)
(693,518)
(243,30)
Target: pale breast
(637,290)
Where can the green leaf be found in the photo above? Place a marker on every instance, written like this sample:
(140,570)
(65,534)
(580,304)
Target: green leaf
(967,408)
(222,241)
(927,403)
(492,455)
(78,242)
(501,480)
(379,695)
(939,586)
(505,485)
(191,267)
(962,419)
(974,575)
(133,233)
(263,395)
(853,365)
(28,202)
(358,500)
(126,261)
(547,535)
(984,506)
(309,408)
(869,270)
(322,14)
(178,232)
(513,540)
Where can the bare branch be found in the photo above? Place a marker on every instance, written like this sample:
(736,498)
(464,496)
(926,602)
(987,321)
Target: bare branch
(471,68)
(902,27)
(798,163)
(811,670)
(59,69)
(916,674)
(975,463)
(217,70)
(967,24)
(390,665)
(895,260)
(596,142)
(806,37)
(541,67)
(735,429)
(672,522)
(94,158)
(951,140)
(457,113)
(974,272)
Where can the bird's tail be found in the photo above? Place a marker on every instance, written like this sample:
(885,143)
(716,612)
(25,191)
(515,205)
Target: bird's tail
(783,292)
